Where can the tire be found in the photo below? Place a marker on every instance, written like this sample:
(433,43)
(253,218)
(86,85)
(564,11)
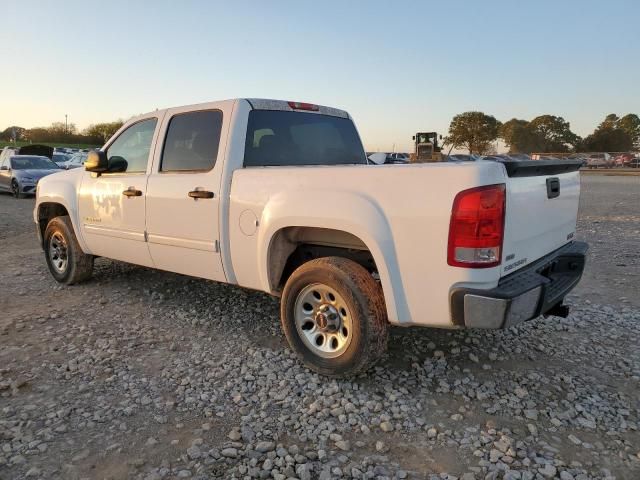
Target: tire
(347,316)
(15,189)
(67,262)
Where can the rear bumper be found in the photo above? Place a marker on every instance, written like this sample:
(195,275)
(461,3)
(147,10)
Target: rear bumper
(523,295)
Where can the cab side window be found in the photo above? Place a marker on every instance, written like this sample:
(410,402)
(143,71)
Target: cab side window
(191,142)
(129,153)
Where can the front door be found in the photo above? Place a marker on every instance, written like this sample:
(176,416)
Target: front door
(112,205)
(183,193)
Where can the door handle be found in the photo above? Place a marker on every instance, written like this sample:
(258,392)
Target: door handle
(132,192)
(201,194)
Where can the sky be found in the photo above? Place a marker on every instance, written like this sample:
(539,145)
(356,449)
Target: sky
(398,67)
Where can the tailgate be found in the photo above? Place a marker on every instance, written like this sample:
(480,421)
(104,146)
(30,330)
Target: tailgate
(541,210)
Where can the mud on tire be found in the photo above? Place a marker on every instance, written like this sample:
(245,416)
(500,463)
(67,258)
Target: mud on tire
(363,301)
(66,261)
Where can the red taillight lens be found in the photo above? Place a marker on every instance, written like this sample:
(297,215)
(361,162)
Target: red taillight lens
(303,106)
(476,229)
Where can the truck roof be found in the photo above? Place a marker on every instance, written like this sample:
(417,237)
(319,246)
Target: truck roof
(267,104)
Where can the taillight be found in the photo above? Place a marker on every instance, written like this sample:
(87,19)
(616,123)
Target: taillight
(476,229)
(303,106)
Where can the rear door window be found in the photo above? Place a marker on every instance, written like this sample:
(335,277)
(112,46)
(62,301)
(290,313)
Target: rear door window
(192,141)
(278,138)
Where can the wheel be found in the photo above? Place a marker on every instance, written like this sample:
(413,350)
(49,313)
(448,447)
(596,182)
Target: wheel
(67,262)
(334,317)
(15,189)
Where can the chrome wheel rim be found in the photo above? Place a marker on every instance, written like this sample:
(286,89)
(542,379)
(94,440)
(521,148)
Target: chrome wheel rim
(323,320)
(58,253)
(15,189)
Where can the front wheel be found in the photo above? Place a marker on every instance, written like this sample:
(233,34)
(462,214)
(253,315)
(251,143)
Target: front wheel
(66,261)
(334,317)
(15,189)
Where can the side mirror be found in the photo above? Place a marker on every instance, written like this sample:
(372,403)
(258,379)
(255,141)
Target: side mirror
(378,158)
(117,164)
(96,162)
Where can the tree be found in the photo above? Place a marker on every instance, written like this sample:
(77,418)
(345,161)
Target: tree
(630,123)
(608,140)
(614,134)
(610,121)
(553,134)
(13,133)
(103,131)
(474,131)
(520,137)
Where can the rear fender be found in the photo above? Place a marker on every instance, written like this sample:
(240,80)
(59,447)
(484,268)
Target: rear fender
(348,212)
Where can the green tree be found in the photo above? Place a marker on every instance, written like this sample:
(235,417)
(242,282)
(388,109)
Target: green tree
(614,134)
(608,140)
(474,131)
(610,121)
(13,133)
(553,134)
(520,137)
(103,131)
(630,123)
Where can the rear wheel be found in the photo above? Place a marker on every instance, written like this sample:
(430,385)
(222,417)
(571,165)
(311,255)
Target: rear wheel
(66,261)
(334,317)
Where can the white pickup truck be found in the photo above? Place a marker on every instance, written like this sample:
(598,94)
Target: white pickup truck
(279,196)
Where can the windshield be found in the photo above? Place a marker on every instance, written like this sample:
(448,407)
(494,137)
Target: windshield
(297,138)
(36,163)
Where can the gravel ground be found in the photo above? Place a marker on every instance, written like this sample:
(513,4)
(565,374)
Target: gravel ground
(146,374)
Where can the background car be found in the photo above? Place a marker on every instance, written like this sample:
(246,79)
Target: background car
(596,160)
(19,174)
(623,159)
(60,158)
(634,163)
(397,158)
(76,160)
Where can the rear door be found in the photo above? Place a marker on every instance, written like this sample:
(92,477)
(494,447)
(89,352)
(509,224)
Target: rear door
(541,213)
(183,193)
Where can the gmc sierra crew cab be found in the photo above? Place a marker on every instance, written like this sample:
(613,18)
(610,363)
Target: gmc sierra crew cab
(280,197)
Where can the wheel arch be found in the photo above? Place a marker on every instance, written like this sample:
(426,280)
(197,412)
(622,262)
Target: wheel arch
(50,207)
(345,221)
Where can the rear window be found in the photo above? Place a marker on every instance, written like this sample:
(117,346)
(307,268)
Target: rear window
(297,138)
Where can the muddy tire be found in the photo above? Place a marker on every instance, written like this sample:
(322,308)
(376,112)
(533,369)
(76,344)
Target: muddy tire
(334,317)
(66,261)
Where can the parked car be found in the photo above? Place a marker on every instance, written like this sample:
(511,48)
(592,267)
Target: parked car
(6,153)
(19,174)
(396,158)
(634,163)
(76,160)
(279,196)
(60,159)
(623,159)
(599,160)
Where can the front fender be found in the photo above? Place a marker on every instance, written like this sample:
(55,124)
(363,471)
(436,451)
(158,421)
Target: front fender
(349,212)
(60,189)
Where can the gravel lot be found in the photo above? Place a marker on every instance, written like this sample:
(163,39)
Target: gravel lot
(145,374)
